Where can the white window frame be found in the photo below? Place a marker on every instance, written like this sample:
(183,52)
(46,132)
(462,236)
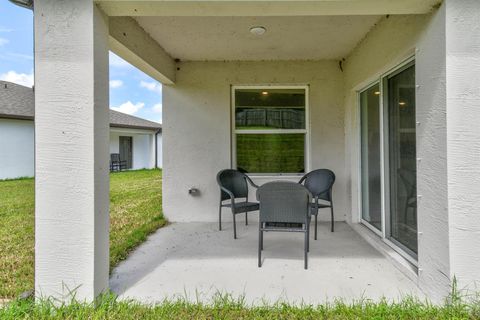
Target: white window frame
(384,234)
(305,131)
(360,186)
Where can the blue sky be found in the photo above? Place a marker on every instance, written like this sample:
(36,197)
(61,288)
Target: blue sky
(131,91)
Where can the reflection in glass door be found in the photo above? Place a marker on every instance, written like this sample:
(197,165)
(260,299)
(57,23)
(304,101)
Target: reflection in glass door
(370,153)
(402,159)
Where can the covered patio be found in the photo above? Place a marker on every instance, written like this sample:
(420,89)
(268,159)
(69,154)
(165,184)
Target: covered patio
(196,262)
(368,82)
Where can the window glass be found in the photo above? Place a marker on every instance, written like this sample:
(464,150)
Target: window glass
(270,130)
(402,158)
(269,109)
(370,150)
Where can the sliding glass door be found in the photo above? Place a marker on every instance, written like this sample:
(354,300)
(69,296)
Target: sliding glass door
(388,136)
(370,152)
(402,159)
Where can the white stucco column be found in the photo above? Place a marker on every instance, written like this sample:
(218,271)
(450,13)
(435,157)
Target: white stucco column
(448,149)
(463,139)
(71,149)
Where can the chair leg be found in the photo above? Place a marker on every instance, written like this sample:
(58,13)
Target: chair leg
(234,227)
(260,245)
(308,238)
(333,220)
(306,251)
(261,240)
(220,217)
(316,225)
(246,218)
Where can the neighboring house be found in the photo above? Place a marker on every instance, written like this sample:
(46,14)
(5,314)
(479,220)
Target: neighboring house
(138,141)
(384,93)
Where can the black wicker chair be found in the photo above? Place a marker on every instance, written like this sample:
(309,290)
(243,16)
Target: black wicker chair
(320,183)
(284,206)
(233,186)
(116,164)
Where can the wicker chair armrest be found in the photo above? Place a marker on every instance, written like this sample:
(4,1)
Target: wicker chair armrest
(302,179)
(230,194)
(249,180)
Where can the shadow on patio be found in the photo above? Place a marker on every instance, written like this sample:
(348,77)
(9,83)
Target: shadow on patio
(196,261)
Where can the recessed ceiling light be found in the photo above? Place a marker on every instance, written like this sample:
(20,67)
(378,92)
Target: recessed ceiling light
(401,103)
(264,93)
(258,30)
(377,93)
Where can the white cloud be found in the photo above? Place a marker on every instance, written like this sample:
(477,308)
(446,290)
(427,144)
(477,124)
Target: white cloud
(157,108)
(4,29)
(152,86)
(19,78)
(3,41)
(129,107)
(116,61)
(116,83)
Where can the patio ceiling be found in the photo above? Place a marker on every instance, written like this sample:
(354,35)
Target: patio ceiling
(152,34)
(286,38)
(211,8)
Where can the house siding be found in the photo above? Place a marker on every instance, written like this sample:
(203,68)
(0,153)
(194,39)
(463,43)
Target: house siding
(16,148)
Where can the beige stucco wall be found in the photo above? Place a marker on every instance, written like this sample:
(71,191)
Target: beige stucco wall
(198,109)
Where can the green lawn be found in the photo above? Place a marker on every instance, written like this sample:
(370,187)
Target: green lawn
(135,212)
(226,308)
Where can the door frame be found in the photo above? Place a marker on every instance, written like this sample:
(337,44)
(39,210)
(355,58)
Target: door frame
(130,156)
(385,233)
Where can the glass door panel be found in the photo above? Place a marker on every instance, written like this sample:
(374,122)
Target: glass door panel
(370,156)
(402,159)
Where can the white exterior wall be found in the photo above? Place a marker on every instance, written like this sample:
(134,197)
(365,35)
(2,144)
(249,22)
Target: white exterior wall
(447,133)
(432,178)
(114,142)
(391,42)
(387,45)
(16,148)
(159,150)
(197,128)
(462,21)
(143,152)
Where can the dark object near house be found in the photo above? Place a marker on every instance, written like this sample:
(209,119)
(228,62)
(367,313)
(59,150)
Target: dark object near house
(234,187)
(319,183)
(116,164)
(285,207)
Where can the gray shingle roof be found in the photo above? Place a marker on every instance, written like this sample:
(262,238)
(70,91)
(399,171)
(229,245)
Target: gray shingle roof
(122,120)
(17,102)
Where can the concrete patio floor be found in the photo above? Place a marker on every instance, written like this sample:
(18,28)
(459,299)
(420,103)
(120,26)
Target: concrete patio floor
(195,261)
